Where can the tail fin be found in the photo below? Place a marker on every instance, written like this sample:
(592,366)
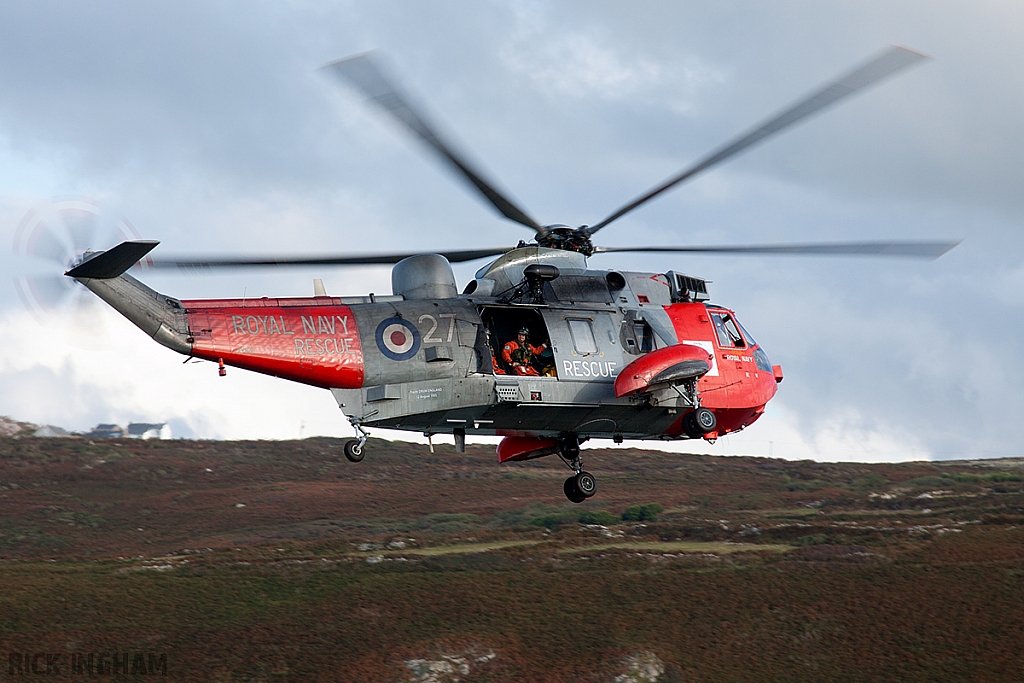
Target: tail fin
(113,262)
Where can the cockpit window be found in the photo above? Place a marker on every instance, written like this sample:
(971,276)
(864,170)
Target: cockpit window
(761,359)
(746,333)
(728,333)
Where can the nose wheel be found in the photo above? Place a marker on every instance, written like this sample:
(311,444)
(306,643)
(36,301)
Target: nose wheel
(354,450)
(581,485)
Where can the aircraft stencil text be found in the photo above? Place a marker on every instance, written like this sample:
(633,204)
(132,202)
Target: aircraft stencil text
(324,324)
(589,368)
(323,347)
(259,324)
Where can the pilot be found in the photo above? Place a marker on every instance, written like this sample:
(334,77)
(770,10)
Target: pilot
(519,353)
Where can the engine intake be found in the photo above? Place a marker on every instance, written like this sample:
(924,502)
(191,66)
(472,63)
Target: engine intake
(424,276)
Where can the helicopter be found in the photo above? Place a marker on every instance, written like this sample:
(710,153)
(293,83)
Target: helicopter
(538,348)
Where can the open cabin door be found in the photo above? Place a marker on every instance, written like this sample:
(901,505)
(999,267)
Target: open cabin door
(518,339)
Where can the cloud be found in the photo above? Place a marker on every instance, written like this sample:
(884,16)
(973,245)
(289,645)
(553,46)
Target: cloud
(782,433)
(578,67)
(207,126)
(132,379)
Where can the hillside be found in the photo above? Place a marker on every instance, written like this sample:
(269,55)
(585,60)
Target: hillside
(282,560)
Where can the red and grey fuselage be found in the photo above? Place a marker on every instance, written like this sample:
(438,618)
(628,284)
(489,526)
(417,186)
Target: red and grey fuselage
(622,345)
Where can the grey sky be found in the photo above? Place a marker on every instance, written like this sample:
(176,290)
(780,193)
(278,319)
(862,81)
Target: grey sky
(207,125)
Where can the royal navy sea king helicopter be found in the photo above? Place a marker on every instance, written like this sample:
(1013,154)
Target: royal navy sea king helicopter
(539,347)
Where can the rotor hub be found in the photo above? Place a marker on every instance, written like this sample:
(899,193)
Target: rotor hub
(566,238)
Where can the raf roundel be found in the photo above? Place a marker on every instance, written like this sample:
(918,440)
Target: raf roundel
(397,339)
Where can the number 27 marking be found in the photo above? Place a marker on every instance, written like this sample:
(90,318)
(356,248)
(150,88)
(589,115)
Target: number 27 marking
(428,337)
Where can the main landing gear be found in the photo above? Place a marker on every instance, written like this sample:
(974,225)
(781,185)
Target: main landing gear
(699,422)
(581,485)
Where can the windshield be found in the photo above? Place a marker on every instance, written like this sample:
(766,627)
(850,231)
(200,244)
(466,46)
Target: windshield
(746,333)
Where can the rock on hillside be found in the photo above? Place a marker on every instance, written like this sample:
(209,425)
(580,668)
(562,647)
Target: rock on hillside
(10,427)
(449,668)
(642,667)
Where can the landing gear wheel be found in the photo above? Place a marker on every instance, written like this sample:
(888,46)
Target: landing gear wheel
(699,422)
(705,420)
(572,492)
(585,484)
(354,450)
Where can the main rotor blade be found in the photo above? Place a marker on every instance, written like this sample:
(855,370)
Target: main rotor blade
(362,72)
(930,250)
(889,62)
(198,264)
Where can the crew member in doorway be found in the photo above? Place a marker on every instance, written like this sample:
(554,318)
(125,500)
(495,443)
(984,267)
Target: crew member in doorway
(520,354)
(495,363)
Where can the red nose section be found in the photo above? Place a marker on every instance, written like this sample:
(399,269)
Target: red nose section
(670,364)
(525,448)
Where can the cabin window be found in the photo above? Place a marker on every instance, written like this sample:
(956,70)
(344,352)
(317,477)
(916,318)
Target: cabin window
(728,333)
(644,336)
(582,336)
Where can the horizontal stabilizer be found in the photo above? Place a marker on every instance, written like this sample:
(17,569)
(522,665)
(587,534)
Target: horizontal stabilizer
(113,262)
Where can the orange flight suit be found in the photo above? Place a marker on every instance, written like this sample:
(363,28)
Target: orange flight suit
(519,357)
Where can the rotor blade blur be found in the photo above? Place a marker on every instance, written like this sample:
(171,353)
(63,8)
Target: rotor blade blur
(47,291)
(81,227)
(199,265)
(930,250)
(889,62)
(364,74)
(45,243)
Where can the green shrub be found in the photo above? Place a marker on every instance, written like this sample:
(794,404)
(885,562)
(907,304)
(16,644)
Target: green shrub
(598,517)
(523,516)
(447,523)
(934,482)
(647,512)
(557,519)
(791,484)
(812,539)
(966,477)
(871,481)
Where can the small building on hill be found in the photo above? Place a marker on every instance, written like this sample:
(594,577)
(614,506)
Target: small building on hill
(51,431)
(107,431)
(147,430)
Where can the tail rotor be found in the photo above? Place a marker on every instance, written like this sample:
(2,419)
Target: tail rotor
(51,239)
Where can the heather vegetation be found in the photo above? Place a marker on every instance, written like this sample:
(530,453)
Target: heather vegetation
(283,561)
